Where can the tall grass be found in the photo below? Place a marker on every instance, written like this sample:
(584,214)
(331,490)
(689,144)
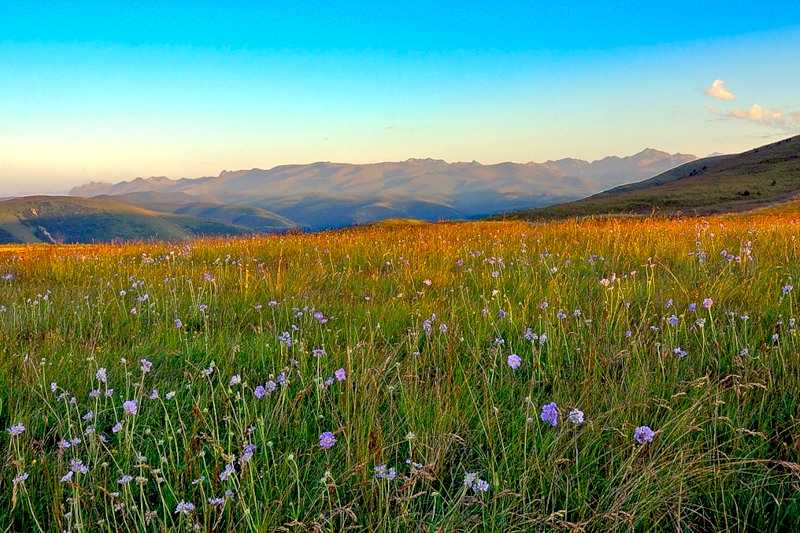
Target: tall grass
(607,317)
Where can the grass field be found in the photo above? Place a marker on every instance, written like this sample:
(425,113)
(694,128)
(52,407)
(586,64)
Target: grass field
(363,379)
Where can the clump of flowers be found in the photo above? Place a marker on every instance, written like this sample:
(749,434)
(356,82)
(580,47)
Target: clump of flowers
(474,483)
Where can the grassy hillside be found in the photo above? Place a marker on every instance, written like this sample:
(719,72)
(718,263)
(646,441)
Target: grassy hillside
(751,179)
(69,220)
(601,375)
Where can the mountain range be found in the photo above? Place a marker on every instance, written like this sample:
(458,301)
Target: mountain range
(328,195)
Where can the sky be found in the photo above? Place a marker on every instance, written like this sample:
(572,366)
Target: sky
(113,90)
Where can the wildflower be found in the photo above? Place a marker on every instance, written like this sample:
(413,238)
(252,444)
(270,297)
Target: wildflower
(153,394)
(53,386)
(101,375)
(260,392)
(77,466)
(281,379)
(692,307)
(227,472)
(786,289)
(707,303)
(576,417)
(327,440)
(285,338)
(20,478)
(530,335)
(673,321)
(184,508)
(94,393)
(16,430)
(170,395)
(88,416)
(145,365)
(318,352)
(680,352)
(550,414)
(67,477)
(319,317)
(476,484)
(216,502)
(514,361)
(340,374)
(130,407)
(270,386)
(178,323)
(117,427)
(124,480)
(235,380)
(643,434)
(247,454)
(383,472)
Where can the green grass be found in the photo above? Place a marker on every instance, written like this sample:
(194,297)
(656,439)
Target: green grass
(724,456)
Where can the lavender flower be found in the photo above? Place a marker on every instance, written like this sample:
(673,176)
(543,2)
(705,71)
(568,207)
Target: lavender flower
(16,430)
(130,407)
(787,289)
(101,375)
(184,508)
(643,434)
(20,478)
(476,484)
(576,417)
(117,427)
(707,303)
(227,472)
(550,414)
(327,440)
(340,374)
(125,479)
(260,392)
(514,361)
(235,380)
(145,365)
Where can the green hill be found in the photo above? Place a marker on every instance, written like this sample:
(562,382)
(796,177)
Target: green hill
(70,220)
(763,176)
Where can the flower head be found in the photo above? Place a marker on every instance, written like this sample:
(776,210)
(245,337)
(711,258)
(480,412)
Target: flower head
(550,414)
(340,374)
(130,407)
(327,440)
(576,417)
(514,361)
(643,434)
(16,430)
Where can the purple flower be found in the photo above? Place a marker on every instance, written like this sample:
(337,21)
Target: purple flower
(514,361)
(184,507)
(247,453)
(707,303)
(318,352)
(270,386)
(125,479)
(692,307)
(260,392)
(285,338)
(550,414)
(227,473)
(145,365)
(319,317)
(130,407)
(673,321)
(476,484)
(786,289)
(384,472)
(117,427)
(235,380)
(101,375)
(340,374)
(643,434)
(178,323)
(16,430)
(20,478)
(327,440)
(576,417)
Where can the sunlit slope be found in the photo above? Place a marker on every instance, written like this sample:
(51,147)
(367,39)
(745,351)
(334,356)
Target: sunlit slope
(752,179)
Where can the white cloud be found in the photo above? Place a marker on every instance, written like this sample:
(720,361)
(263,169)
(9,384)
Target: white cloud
(766,116)
(718,90)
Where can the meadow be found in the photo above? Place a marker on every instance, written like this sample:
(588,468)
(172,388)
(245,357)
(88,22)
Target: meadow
(617,374)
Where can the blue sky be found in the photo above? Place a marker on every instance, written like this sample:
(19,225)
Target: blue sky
(113,90)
